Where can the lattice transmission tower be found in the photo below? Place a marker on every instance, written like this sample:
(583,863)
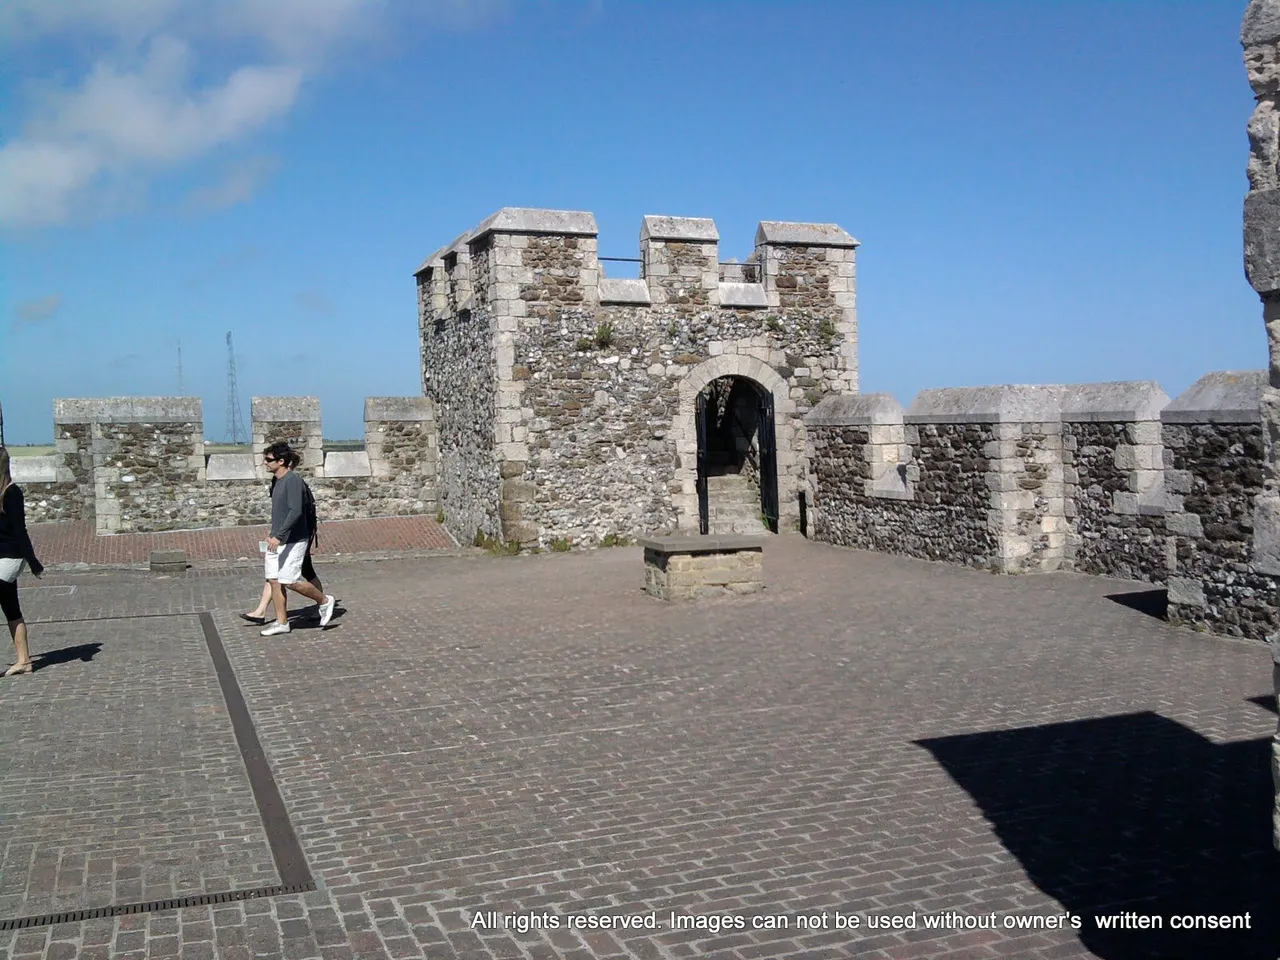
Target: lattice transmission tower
(236,433)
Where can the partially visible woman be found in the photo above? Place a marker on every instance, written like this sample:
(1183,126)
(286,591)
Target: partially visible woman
(16,551)
(258,615)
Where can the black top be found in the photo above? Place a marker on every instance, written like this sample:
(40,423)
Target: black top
(15,543)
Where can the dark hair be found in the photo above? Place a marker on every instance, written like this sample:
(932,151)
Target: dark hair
(283,452)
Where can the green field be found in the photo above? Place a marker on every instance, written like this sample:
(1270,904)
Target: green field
(336,446)
(331,446)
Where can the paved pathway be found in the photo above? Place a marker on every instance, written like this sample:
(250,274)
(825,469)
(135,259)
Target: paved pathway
(66,544)
(528,739)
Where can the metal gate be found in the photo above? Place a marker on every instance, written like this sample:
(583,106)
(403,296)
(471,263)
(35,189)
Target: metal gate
(768,461)
(700,424)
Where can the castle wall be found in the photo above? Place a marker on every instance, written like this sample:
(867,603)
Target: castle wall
(460,377)
(1109,479)
(1214,455)
(137,464)
(1260,37)
(593,431)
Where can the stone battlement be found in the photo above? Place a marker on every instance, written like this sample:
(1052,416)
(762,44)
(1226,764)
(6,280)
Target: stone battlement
(138,464)
(793,264)
(1112,479)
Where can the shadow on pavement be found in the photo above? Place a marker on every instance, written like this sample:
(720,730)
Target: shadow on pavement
(1154,603)
(1133,814)
(1267,702)
(83,652)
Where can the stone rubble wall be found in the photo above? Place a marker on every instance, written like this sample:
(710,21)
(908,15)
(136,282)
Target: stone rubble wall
(138,464)
(1214,459)
(1109,539)
(1109,479)
(592,431)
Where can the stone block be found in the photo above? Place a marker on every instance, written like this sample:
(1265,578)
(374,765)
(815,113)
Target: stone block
(168,561)
(284,409)
(231,466)
(1221,397)
(347,464)
(1119,401)
(35,469)
(1125,503)
(782,233)
(1266,536)
(1143,432)
(683,229)
(1184,592)
(1262,240)
(1185,525)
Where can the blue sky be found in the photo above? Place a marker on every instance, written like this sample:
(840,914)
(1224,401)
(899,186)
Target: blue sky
(1045,192)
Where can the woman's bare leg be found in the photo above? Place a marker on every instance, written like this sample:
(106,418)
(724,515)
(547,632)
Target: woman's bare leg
(18,630)
(261,609)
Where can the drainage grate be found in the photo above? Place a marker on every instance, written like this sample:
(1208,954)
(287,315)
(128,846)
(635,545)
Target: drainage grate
(154,906)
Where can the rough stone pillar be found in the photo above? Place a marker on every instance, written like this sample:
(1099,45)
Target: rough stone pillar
(402,446)
(810,268)
(681,261)
(1260,37)
(73,435)
(294,420)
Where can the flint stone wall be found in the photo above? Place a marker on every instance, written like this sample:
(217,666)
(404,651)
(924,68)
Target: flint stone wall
(137,464)
(591,432)
(63,488)
(1214,457)
(940,510)
(1108,479)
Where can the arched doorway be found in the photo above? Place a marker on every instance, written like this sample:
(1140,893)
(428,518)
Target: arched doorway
(737,457)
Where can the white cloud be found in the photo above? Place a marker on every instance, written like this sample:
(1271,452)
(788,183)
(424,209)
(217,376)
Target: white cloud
(238,185)
(37,311)
(137,110)
(313,301)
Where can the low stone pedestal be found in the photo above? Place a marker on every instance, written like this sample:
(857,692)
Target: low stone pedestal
(685,568)
(168,561)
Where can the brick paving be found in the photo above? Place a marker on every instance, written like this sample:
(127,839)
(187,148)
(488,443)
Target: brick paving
(536,738)
(65,544)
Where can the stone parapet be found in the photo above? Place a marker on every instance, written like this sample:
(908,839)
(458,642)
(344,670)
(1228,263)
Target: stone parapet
(138,464)
(1213,472)
(1223,397)
(292,420)
(127,410)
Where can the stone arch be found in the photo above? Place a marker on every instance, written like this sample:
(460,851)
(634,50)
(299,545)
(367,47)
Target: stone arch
(686,437)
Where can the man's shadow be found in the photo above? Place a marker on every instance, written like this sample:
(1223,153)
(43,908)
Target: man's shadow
(309,618)
(84,652)
(1133,814)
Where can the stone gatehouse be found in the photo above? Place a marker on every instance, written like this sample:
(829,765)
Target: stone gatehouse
(576,406)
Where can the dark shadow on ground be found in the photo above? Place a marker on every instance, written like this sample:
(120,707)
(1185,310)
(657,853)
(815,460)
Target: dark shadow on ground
(83,652)
(1133,813)
(310,617)
(1266,701)
(1154,603)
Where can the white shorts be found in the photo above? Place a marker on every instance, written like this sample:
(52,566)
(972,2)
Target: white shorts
(285,564)
(10,568)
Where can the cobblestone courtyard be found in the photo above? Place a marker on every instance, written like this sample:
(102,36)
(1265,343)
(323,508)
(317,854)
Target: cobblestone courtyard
(870,737)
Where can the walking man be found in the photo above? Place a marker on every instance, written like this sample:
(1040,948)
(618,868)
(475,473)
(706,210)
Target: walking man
(290,533)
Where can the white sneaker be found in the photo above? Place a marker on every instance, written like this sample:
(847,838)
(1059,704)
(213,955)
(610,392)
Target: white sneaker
(326,610)
(275,630)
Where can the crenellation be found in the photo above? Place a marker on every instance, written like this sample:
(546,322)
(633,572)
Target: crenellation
(138,465)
